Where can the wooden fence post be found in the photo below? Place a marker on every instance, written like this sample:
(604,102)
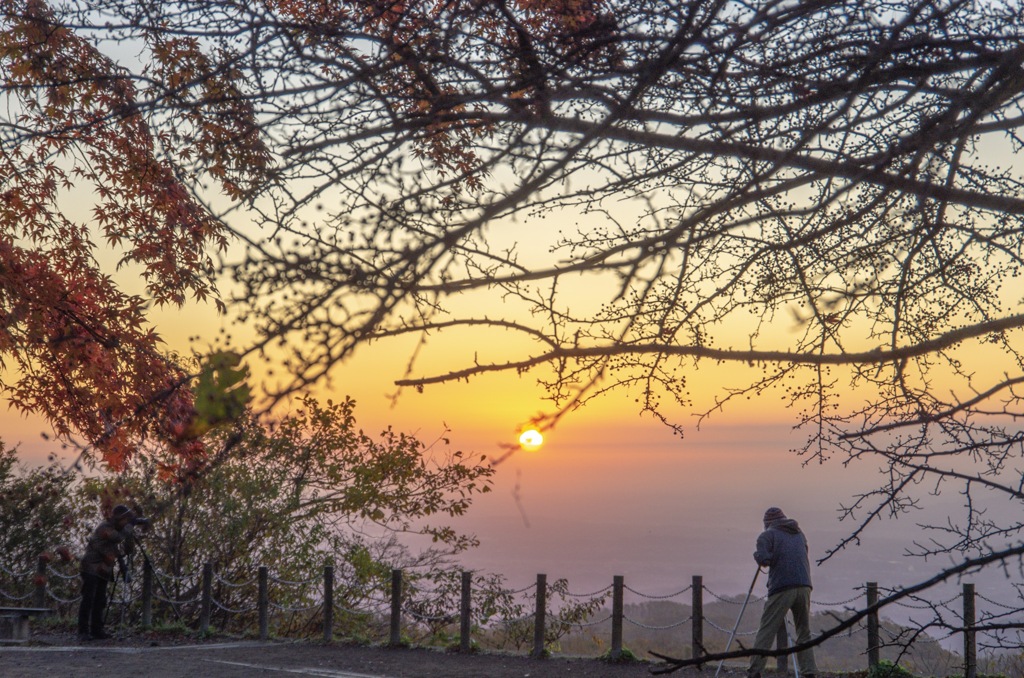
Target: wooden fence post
(874,642)
(539,620)
(970,647)
(39,595)
(697,618)
(396,607)
(147,593)
(263,601)
(328,603)
(617,586)
(206,606)
(618,615)
(465,610)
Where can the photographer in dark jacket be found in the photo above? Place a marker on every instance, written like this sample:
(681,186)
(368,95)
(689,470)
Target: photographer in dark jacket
(110,543)
(782,548)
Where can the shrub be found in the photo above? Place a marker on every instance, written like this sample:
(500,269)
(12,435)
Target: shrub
(886,669)
(625,657)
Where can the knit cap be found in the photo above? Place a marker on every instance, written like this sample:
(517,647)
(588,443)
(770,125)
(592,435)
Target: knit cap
(774,513)
(122,511)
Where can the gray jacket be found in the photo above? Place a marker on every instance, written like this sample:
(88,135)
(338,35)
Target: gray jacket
(782,548)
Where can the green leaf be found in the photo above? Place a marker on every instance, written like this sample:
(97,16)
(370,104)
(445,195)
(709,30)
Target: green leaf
(221,392)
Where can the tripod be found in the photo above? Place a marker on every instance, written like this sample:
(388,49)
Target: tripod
(126,576)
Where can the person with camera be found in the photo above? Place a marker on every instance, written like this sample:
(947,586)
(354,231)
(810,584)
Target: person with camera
(111,542)
(782,548)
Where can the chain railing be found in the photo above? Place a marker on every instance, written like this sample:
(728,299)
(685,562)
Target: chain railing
(211,596)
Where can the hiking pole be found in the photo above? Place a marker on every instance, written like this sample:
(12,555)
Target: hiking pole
(738,618)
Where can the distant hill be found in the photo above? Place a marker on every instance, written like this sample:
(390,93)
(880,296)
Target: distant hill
(659,626)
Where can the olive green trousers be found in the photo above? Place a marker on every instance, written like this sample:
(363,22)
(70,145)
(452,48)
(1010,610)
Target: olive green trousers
(797,600)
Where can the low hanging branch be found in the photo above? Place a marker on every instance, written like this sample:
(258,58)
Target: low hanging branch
(970,564)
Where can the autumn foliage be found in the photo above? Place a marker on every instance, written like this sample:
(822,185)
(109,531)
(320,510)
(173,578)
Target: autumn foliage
(102,165)
(89,180)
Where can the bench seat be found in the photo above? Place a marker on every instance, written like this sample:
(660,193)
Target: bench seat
(14,622)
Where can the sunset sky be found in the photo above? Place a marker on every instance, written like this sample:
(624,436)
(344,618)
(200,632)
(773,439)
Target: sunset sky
(612,492)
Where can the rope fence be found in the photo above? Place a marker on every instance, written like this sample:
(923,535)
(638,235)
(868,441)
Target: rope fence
(315,597)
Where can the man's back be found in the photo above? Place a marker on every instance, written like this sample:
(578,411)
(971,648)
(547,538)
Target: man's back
(782,548)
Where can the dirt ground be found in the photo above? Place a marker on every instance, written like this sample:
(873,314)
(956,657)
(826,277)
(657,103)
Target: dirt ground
(61,656)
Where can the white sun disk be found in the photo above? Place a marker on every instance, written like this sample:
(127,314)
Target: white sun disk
(531,439)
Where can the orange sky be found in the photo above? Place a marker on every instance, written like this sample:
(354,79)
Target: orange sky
(611,491)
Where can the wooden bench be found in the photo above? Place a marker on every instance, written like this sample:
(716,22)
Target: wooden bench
(14,622)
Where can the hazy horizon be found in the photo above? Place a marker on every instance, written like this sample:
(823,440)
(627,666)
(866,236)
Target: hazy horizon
(595,502)
(679,508)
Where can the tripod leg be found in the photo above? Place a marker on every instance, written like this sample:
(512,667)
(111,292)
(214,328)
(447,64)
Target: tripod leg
(120,628)
(108,599)
(796,668)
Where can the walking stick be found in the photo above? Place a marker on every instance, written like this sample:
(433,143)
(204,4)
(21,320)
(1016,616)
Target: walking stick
(738,618)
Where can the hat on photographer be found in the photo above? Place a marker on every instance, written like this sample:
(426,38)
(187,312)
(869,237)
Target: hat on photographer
(122,514)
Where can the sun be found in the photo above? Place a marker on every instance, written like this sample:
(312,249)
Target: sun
(531,439)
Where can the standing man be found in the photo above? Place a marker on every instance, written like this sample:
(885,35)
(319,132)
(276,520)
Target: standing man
(782,548)
(109,544)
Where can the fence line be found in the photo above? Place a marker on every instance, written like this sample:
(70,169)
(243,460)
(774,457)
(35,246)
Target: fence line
(324,601)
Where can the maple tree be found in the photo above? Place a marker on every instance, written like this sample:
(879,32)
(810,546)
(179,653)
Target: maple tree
(81,164)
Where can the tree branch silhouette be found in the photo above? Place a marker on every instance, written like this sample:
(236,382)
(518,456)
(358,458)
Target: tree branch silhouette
(965,566)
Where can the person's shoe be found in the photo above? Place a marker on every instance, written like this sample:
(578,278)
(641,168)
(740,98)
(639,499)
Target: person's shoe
(84,637)
(100,635)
